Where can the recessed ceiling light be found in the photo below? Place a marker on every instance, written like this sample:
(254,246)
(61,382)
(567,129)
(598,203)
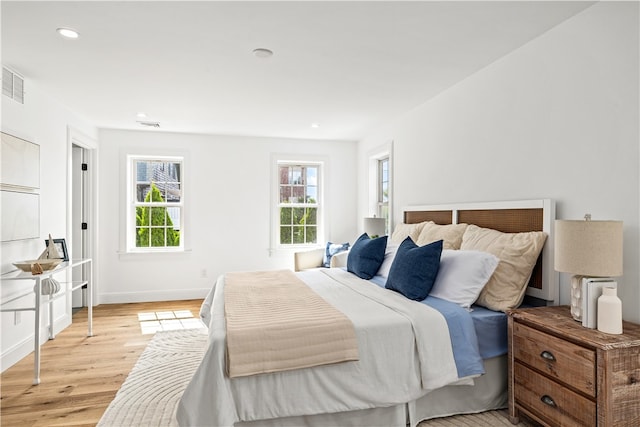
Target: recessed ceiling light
(141,115)
(262,52)
(68,33)
(315,125)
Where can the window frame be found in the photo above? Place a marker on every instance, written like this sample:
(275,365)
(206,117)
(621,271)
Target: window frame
(277,162)
(381,203)
(132,203)
(376,156)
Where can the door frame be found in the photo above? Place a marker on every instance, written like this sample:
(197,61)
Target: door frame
(76,137)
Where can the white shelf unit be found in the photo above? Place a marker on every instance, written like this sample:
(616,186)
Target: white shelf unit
(41,300)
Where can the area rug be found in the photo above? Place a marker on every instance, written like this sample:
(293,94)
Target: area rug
(150,394)
(485,419)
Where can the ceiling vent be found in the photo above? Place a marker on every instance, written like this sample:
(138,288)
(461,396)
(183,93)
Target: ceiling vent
(149,123)
(12,85)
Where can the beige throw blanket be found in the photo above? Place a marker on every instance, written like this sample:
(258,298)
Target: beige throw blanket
(275,322)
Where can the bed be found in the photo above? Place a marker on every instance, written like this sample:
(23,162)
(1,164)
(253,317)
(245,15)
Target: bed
(417,359)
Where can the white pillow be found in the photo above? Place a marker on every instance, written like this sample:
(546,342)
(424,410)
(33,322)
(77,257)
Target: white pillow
(389,255)
(462,275)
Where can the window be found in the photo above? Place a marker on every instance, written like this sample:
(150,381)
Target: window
(298,203)
(383,190)
(156,204)
(380,184)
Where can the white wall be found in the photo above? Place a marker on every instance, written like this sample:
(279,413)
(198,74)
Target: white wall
(228,185)
(43,121)
(557,118)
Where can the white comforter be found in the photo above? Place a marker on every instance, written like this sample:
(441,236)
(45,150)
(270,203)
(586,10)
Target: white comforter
(404,346)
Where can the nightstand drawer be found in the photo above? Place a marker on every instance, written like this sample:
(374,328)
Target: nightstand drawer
(569,363)
(550,401)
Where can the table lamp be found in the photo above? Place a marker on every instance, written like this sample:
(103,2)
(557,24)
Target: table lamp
(588,250)
(375,227)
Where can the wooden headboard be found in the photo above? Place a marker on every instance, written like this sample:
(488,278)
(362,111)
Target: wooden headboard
(508,217)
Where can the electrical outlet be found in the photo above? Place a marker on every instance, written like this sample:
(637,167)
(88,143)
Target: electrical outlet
(203,273)
(17,317)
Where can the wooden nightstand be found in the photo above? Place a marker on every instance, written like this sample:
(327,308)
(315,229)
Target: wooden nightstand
(562,374)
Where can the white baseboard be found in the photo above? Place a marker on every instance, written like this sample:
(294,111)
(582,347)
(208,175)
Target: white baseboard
(151,296)
(20,350)
(17,352)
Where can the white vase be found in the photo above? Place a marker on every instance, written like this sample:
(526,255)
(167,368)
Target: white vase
(609,312)
(48,286)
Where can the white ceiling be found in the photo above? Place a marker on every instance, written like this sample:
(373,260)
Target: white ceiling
(189,65)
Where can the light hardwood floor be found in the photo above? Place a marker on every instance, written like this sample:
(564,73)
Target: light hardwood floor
(80,375)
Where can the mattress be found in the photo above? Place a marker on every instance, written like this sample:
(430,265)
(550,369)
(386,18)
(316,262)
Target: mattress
(491,329)
(490,326)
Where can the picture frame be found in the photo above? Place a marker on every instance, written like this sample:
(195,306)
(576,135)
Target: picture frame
(61,247)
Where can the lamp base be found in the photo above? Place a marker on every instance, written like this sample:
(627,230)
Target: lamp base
(576,297)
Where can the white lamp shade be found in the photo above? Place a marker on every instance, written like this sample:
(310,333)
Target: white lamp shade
(588,248)
(375,226)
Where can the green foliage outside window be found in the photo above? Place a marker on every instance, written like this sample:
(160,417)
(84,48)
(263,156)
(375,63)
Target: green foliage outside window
(298,225)
(155,220)
(298,186)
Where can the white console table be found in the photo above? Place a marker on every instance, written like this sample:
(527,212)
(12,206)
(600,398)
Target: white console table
(65,287)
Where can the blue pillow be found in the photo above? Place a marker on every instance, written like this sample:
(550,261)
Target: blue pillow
(414,269)
(366,256)
(331,250)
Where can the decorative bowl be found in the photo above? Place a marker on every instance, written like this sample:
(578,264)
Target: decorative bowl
(46,264)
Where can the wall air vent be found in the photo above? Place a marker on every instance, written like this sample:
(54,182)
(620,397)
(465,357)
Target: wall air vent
(149,124)
(12,85)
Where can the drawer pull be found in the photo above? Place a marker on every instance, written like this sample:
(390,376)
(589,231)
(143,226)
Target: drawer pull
(548,400)
(548,355)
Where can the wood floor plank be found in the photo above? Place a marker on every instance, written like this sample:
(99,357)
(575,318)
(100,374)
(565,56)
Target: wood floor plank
(80,375)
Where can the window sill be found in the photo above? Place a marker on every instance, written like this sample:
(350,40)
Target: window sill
(292,249)
(123,255)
